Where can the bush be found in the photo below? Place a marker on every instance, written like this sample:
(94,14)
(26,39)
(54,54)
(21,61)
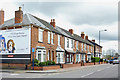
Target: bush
(42,64)
(95,59)
(35,61)
(36,64)
(53,63)
(49,62)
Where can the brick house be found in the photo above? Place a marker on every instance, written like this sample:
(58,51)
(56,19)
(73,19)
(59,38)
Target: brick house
(97,48)
(49,41)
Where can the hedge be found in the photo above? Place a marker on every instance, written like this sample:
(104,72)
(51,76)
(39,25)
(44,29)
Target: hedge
(95,59)
(37,63)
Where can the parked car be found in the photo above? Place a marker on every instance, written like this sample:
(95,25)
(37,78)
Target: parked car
(111,61)
(116,61)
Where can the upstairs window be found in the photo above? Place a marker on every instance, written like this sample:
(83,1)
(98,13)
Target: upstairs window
(52,38)
(82,46)
(71,43)
(67,43)
(59,40)
(40,35)
(48,37)
(77,45)
(88,48)
(91,48)
(85,47)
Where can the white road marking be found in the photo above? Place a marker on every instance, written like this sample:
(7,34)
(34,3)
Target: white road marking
(87,74)
(14,74)
(99,70)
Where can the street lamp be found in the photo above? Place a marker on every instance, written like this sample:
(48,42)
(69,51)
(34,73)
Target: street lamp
(99,40)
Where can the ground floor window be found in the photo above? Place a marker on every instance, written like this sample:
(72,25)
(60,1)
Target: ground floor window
(52,56)
(83,57)
(69,58)
(60,57)
(89,58)
(49,55)
(77,57)
(41,55)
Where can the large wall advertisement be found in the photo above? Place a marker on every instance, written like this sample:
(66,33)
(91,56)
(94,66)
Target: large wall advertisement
(15,41)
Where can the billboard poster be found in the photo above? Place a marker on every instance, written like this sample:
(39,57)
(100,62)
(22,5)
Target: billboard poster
(15,41)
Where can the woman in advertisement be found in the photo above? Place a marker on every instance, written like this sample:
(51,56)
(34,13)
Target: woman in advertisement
(2,44)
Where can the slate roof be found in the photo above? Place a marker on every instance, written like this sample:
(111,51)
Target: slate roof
(74,36)
(94,43)
(30,19)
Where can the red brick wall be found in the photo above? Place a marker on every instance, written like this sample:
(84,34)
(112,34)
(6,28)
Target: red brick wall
(34,42)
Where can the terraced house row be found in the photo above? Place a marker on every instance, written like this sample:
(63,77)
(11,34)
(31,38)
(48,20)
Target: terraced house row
(26,37)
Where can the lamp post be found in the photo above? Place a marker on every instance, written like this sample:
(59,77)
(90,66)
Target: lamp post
(99,41)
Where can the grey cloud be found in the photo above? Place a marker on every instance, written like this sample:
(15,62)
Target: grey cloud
(76,13)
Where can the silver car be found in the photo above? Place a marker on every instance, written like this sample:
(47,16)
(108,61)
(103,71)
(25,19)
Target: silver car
(116,61)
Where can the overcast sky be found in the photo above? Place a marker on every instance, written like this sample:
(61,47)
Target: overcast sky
(87,16)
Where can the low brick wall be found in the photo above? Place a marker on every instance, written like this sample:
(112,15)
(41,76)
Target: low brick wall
(15,66)
(46,67)
(70,65)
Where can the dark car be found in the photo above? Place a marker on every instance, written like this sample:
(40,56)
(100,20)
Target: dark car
(111,61)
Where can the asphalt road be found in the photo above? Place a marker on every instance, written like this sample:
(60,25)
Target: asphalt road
(98,71)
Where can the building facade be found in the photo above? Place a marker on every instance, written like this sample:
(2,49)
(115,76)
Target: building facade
(34,38)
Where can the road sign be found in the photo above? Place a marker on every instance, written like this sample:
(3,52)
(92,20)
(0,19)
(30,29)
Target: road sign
(33,49)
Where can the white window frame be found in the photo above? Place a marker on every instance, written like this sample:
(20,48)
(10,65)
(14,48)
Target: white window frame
(40,35)
(59,40)
(48,37)
(91,48)
(71,43)
(85,47)
(42,53)
(77,45)
(88,48)
(67,43)
(48,55)
(52,38)
(82,46)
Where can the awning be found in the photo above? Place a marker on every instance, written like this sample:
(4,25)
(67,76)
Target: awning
(40,47)
(69,51)
(59,49)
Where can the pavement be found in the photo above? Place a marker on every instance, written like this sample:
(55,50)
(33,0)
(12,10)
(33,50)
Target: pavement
(94,71)
(46,71)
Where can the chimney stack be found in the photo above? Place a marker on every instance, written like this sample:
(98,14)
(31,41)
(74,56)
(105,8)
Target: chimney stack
(93,40)
(1,17)
(82,35)
(86,37)
(71,31)
(52,22)
(19,16)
